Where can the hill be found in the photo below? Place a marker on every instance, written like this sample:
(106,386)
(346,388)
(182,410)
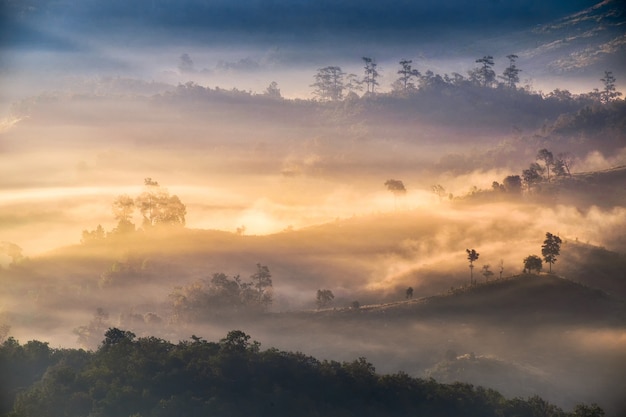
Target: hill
(526,299)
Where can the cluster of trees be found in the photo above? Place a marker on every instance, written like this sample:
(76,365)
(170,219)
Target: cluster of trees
(550,249)
(151,377)
(223,296)
(333,84)
(155,205)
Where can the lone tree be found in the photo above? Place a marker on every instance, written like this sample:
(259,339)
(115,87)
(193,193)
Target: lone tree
(472,256)
(396,187)
(532,262)
(551,249)
(324,297)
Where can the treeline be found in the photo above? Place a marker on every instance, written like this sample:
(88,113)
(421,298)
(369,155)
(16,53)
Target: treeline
(150,377)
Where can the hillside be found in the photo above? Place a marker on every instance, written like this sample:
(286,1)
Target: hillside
(526,299)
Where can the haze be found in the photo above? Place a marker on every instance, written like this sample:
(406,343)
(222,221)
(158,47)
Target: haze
(96,98)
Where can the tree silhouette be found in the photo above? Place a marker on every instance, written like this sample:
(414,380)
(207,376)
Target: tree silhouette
(609,93)
(547,158)
(323,298)
(551,249)
(396,187)
(409,293)
(407,74)
(511,73)
(532,262)
(484,75)
(472,256)
(371,74)
(329,83)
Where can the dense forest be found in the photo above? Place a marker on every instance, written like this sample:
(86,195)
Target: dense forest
(147,376)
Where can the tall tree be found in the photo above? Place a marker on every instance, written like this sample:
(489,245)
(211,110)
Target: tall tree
(396,187)
(484,75)
(551,248)
(532,176)
(511,73)
(609,93)
(123,208)
(472,256)
(329,83)
(370,74)
(407,74)
(547,158)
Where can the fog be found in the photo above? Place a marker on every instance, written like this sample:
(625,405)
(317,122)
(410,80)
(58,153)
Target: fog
(296,182)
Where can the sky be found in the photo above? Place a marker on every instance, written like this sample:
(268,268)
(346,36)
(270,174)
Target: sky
(247,44)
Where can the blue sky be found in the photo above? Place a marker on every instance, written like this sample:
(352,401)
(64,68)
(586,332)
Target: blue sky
(145,38)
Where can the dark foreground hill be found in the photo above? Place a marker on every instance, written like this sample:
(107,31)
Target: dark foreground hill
(152,377)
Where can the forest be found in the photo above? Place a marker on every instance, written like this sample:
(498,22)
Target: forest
(148,376)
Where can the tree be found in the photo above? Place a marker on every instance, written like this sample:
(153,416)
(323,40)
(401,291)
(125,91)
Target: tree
(158,207)
(551,249)
(123,207)
(329,83)
(407,74)
(409,293)
(609,93)
(532,176)
(487,272)
(324,297)
(370,74)
(512,184)
(484,75)
(565,161)
(547,158)
(93,235)
(396,187)
(532,262)
(511,73)
(584,410)
(262,283)
(272,90)
(439,191)
(472,256)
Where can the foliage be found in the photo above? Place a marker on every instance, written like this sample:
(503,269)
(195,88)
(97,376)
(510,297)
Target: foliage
(532,263)
(151,377)
(472,256)
(324,297)
(223,296)
(329,83)
(395,186)
(551,249)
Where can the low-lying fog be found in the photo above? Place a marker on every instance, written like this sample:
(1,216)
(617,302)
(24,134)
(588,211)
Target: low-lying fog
(299,187)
